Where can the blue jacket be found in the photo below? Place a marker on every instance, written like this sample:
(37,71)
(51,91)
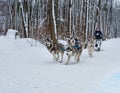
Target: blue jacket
(98,34)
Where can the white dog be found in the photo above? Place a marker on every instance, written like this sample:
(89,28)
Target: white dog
(90,47)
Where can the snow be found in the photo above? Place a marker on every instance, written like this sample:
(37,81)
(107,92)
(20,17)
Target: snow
(31,69)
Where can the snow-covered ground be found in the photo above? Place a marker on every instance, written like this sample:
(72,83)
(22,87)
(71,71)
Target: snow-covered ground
(31,69)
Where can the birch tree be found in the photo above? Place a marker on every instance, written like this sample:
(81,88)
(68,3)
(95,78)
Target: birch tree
(25,16)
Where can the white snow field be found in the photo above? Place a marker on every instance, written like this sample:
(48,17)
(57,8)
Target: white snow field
(31,69)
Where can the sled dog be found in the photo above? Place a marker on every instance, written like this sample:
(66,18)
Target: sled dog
(90,47)
(73,49)
(56,49)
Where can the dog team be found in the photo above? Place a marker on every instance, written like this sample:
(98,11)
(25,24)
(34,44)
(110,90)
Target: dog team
(74,47)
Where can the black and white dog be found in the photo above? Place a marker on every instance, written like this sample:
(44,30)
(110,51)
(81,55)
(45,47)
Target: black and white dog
(55,49)
(74,48)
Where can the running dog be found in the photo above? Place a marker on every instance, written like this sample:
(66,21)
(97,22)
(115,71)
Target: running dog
(74,48)
(55,49)
(90,47)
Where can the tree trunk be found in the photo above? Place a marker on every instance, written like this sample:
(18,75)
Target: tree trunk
(52,22)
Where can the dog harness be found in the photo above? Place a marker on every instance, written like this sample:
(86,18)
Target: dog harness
(62,49)
(76,47)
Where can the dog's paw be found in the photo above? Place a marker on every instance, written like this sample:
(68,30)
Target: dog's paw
(77,59)
(66,63)
(56,59)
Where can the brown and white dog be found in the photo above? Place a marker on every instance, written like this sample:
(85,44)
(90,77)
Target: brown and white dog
(90,47)
(74,48)
(55,49)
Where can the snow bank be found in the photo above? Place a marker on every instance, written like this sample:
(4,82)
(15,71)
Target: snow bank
(12,34)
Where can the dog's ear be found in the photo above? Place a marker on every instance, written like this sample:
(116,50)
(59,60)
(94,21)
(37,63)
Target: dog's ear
(47,39)
(76,39)
(71,37)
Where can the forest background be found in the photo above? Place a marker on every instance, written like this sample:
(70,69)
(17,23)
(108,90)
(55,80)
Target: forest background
(60,19)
